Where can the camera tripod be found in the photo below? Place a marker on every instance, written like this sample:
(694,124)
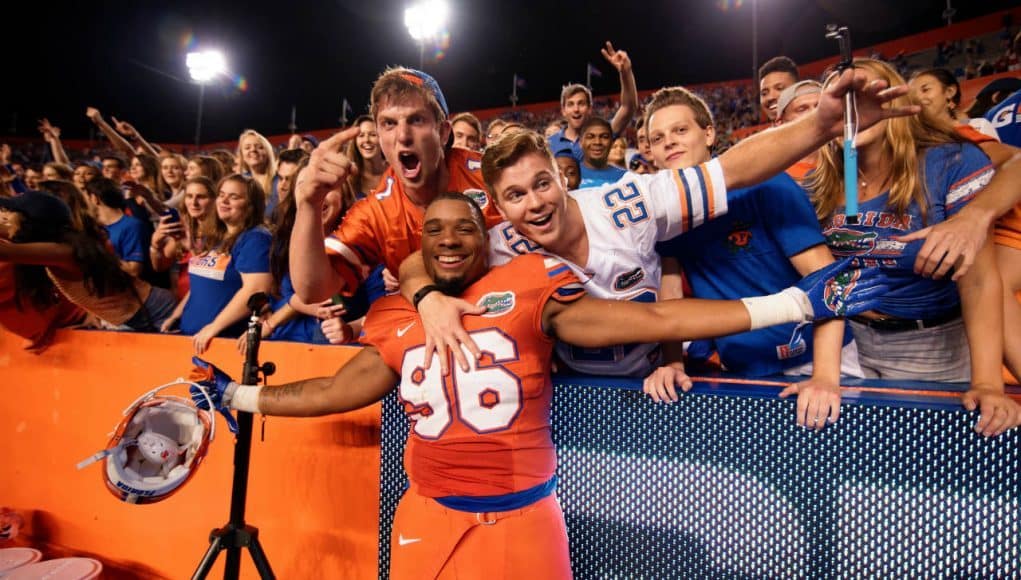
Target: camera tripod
(237,534)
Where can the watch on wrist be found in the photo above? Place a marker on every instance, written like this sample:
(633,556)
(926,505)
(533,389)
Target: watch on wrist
(422,293)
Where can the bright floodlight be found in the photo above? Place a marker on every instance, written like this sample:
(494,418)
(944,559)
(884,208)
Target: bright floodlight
(426,19)
(205,65)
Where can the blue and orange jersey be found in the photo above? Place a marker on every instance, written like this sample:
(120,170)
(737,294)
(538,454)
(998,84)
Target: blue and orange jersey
(485,432)
(386,227)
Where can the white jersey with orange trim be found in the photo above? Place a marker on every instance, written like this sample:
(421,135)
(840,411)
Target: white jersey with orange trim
(624,221)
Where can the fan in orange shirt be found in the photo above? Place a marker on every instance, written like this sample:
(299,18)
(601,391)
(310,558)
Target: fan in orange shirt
(411,118)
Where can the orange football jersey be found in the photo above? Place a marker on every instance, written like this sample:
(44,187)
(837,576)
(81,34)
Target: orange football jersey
(484,432)
(385,227)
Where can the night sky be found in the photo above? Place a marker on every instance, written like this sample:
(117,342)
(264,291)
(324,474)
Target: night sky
(121,55)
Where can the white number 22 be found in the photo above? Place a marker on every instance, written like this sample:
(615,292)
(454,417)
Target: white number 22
(488,397)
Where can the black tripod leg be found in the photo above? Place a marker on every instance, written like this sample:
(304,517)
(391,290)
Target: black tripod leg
(215,545)
(232,569)
(259,557)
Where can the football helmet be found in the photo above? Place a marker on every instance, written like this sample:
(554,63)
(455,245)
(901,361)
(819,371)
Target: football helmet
(157,447)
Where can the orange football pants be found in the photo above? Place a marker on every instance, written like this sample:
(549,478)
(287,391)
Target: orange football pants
(431,541)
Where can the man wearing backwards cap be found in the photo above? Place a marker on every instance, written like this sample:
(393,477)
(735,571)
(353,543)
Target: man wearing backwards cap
(795,102)
(411,117)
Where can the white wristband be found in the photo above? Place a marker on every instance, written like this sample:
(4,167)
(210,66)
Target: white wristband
(246,398)
(786,306)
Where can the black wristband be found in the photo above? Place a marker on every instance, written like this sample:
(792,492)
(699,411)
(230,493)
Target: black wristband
(422,293)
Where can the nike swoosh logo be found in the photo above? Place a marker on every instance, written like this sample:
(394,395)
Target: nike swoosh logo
(402,331)
(402,541)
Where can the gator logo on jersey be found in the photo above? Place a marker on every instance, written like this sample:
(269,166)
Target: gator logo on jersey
(850,242)
(474,164)
(478,196)
(628,279)
(497,303)
(740,237)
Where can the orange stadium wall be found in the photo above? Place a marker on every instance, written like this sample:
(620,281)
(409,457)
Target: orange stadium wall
(314,483)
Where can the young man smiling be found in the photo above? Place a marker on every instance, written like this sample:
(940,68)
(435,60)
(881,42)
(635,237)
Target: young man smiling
(480,457)
(596,140)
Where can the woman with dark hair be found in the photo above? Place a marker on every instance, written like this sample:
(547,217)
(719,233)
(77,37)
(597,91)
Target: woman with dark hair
(81,213)
(204,166)
(175,241)
(83,173)
(367,157)
(141,190)
(79,263)
(54,171)
(233,265)
(939,94)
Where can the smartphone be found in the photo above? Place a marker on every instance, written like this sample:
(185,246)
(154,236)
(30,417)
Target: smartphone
(175,216)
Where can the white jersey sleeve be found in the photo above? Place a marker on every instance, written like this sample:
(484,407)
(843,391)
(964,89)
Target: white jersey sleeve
(677,200)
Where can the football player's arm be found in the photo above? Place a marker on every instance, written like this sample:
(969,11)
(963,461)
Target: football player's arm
(592,322)
(819,397)
(980,288)
(955,242)
(441,315)
(364,380)
(765,154)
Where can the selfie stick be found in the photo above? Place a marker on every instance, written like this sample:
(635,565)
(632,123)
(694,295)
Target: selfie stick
(843,38)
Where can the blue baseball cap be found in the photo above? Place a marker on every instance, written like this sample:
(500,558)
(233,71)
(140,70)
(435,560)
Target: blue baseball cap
(424,80)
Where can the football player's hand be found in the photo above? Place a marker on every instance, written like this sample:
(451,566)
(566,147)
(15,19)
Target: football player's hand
(444,333)
(818,402)
(218,385)
(842,289)
(327,169)
(873,101)
(997,411)
(662,384)
(949,244)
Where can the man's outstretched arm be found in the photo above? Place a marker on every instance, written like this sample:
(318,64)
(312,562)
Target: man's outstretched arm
(364,380)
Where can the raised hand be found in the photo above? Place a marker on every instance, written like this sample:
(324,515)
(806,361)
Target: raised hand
(93,114)
(124,128)
(327,168)
(842,289)
(218,385)
(873,100)
(618,58)
(47,130)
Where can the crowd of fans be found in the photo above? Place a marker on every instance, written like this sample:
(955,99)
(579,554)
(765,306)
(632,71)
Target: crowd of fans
(138,238)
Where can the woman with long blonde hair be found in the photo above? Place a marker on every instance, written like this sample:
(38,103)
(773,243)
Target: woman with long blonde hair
(914,172)
(256,157)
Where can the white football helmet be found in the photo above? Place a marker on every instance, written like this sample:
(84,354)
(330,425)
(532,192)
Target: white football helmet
(157,447)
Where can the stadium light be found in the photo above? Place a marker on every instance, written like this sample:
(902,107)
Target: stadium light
(203,67)
(425,21)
